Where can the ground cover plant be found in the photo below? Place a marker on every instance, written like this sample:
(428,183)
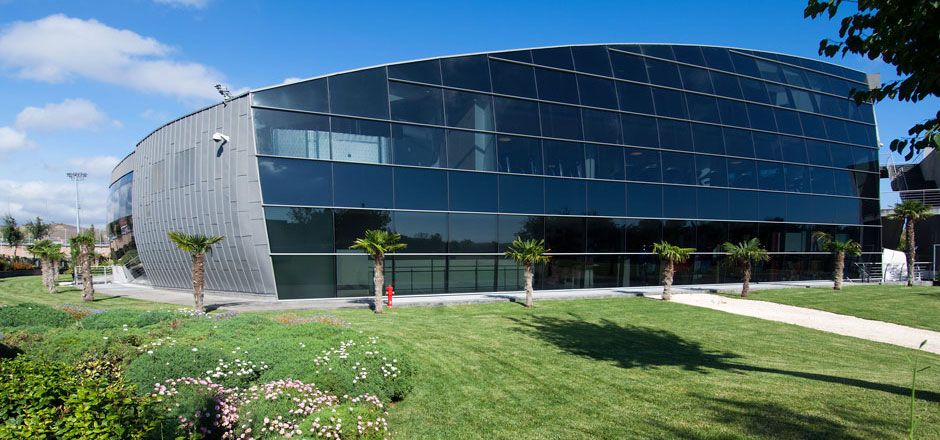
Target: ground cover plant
(18,290)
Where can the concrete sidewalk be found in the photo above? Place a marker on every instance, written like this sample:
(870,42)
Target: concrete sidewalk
(252,303)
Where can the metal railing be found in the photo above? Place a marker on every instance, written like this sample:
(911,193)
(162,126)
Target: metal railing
(929,197)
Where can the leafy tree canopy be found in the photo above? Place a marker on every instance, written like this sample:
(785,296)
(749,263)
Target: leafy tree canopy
(902,34)
(10,231)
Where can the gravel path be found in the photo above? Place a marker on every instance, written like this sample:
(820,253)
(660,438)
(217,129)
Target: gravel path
(830,322)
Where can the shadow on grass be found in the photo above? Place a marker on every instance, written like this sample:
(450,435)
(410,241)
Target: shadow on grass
(642,347)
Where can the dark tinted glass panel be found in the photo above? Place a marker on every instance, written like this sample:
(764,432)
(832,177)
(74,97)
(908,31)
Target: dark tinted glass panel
(754,90)
(822,180)
(710,236)
(717,58)
(742,173)
(469,72)
(417,188)
(733,113)
(606,198)
(770,176)
(788,121)
(769,71)
(471,151)
(793,149)
(521,194)
(605,234)
(703,108)
(554,85)
(678,168)
(517,55)
(642,165)
(604,162)
(836,130)
(818,153)
(597,92)
(738,142)
(679,232)
(644,200)
(293,230)
(560,121)
(767,146)
(708,139)
(711,170)
(658,50)
(696,79)
(292,134)
(845,184)
(419,146)
(858,133)
(629,67)
(416,275)
(472,192)
(670,103)
(635,98)
(798,179)
(563,158)
(772,206)
(591,59)
(422,231)
(421,71)
(689,54)
(871,212)
(565,196)
(513,79)
(679,202)
(779,95)
(726,85)
(793,76)
(519,226)
(363,93)
(866,159)
(516,116)
(306,95)
(294,181)
(362,186)
(841,155)
(601,126)
(813,126)
(803,100)
(745,65)
(641,234)
(712,203)
(471,274)
(415,103)
(564,234)
(358,140)
(555,57)
(663,73)
(675,135)
(762,118)
(742,205)
(519,155)
(871,239)
(564,272)
(350,223)
(472,233)
(354,275)
(304,276)
(640,131)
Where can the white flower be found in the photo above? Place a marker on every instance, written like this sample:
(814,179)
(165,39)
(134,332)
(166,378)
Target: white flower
(105,338)
(195,349)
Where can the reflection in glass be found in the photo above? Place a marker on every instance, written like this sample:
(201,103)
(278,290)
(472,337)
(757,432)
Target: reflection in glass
(361,186)
(564,158)
(304,276)
(472,191)
(742,173)
(678,168)
(516,116)
(293,230)
(472,233)
(604,162)
(471,274)
(519,226)
(521,194)
(635,98)
(711,170)
(305,95)
(519,155)
(564,234)
(468,72)
(640,131)
(362,93)
(642,165)
(512,79)
(358,140)
(554,85)
(565,196)
(468,110)
(350,224)
(417,188)
(564,272)
(471,151)
(560,121)
(597,92)
(412,103)
(606,198)
(294,181)
(421,71)
(642,233)
(601,126)
(416,145)
(292,134)
(422,231)
(675,135)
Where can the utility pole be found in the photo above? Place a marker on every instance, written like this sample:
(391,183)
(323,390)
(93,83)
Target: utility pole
(77,177)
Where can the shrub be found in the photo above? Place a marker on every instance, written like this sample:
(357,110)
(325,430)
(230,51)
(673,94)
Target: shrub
(29,314)
(170,362)
(54,400)
(71,345)
(119,318)
(19,265)
(77,312)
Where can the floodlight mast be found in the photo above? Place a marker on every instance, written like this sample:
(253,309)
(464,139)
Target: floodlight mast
(77,177)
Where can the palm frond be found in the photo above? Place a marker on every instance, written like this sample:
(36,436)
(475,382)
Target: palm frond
(378,242)
(194,244)
(530,251)
(671,252)
(747,250)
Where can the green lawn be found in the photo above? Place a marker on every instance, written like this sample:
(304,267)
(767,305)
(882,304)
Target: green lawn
(912,306)
(18,290)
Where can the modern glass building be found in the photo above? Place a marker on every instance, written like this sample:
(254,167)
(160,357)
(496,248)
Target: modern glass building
(601,150)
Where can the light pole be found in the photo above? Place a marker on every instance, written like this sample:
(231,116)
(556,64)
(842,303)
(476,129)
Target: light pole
(77,177)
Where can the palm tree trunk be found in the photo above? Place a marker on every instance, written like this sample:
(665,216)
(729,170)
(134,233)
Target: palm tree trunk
(838,271)
(199,281)
(668,272)
(88,285)
(528,284)
(379,280)
(53,274)
(910,251)
(746,278)
(44,267)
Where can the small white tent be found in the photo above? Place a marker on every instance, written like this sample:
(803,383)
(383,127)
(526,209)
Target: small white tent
(894,264)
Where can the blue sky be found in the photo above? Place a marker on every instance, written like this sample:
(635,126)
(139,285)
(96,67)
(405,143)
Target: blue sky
(83,81)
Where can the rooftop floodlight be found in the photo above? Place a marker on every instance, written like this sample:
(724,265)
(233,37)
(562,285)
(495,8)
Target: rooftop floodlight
(226,95)
(77,177)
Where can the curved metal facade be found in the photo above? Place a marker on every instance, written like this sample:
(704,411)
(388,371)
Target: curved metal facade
(599,149)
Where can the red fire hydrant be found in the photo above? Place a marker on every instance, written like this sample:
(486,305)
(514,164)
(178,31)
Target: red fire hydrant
(389,291)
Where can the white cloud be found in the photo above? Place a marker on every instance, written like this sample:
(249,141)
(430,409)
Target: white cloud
(291,80)
(71,113)
(197,4)
(154,115)
(55,201)
(13,139)
(95,166)
(59,48)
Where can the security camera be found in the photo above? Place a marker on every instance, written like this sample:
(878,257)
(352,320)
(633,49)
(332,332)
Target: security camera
(219,137)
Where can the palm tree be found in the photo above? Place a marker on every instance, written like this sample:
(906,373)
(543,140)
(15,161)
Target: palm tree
(40,249)
(55,255)
(197,246)
(528,252)
(744,253)
(377,243)
(670,255)
(83,246)
(910,212)
(838,249)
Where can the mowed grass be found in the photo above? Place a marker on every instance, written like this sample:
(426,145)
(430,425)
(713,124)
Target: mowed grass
(18,290)
(625,368)
(917,306)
